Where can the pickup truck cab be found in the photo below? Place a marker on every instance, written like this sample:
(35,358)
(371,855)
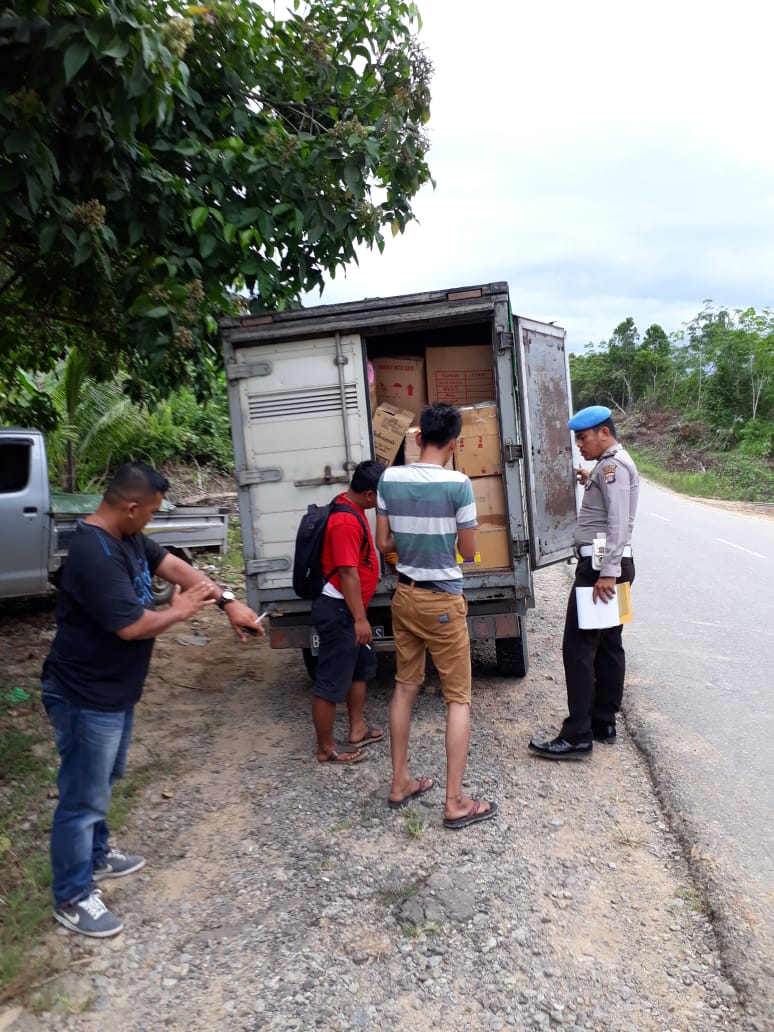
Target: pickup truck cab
(37,523)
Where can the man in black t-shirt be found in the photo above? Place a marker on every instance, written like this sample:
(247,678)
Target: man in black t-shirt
(94,675)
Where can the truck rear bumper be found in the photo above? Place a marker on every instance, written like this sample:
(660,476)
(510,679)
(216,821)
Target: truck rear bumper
(480,626)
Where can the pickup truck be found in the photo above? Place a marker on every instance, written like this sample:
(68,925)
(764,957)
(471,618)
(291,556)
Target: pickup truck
(314,391)
(37,523)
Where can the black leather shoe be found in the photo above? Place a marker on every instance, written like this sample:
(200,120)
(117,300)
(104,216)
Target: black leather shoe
(559,749)
(603,731)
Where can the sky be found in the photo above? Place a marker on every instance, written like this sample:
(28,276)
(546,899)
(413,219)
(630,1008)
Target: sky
(606,159)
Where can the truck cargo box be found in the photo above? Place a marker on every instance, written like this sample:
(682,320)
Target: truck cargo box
(301,418)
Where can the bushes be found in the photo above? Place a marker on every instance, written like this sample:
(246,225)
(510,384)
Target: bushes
(101,428)
(181,429)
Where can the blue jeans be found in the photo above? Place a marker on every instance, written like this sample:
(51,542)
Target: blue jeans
(92,749)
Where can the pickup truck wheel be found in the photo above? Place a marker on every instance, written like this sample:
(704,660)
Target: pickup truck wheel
(513,653)
(310,662)
(162,591)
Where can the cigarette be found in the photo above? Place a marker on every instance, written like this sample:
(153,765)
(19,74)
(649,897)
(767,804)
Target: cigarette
(368,647)
(263,614)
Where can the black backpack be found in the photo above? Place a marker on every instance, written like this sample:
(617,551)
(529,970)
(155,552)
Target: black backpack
(308,576)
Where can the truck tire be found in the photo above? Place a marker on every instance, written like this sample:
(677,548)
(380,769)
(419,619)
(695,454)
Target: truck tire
(513,653)
(161,590)
(310,662)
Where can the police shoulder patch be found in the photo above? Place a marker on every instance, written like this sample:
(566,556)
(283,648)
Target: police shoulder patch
(609,472)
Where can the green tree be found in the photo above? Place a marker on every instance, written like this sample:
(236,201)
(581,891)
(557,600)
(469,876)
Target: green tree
(621,351)
(161,162)
(652,365)
(96,423)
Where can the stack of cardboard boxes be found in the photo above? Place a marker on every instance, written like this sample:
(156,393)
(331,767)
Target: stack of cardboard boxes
(461,376)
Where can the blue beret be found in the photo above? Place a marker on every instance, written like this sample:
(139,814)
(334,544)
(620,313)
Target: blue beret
(589,417)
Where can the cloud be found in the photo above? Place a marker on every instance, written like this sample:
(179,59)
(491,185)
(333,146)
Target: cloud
(606,161)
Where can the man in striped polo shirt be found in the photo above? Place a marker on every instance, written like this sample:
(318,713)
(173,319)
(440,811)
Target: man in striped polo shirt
(424,514)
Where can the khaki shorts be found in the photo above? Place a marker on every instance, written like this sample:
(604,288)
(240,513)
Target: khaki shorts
(437,622)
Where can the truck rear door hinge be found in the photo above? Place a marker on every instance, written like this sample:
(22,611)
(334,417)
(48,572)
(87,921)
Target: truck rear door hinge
(244,370)
(326,478)
(520,547)
(269,475)
(512,451)
(266,565)
(505,340)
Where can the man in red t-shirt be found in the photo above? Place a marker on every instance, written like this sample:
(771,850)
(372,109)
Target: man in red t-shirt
(346,659)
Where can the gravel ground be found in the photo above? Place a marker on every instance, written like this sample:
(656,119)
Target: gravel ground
(280,894)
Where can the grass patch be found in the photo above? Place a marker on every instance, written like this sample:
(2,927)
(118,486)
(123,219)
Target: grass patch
(28,766)
(412,930)
(413,823)
(396,895)
(126,789)
(689,897)
(229,568)
(629,839)
(339,826)
(731,477)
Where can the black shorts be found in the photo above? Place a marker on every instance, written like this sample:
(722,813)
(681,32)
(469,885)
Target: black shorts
(340,660)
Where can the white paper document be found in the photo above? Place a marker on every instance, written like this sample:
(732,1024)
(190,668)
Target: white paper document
(595,615)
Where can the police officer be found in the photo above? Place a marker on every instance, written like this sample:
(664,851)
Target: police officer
(594,660)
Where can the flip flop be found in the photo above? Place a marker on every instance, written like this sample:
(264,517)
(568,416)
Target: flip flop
(371,738)
(473,816)
(335,757)
(425,784)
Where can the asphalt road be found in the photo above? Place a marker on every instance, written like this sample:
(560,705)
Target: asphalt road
(700,702)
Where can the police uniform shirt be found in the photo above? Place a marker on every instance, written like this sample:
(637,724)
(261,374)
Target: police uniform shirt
(609,507)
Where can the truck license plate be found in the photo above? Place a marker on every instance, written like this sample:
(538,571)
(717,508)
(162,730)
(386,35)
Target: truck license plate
(314,639)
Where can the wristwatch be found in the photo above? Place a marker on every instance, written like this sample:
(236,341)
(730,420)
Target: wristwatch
(226,597)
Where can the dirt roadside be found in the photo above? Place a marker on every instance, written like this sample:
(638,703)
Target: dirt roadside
(583,909)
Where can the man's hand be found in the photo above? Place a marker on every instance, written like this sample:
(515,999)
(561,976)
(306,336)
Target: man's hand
(363,633)
(604,589)
(582,475)
(391,558)
(243,619)
(186,603)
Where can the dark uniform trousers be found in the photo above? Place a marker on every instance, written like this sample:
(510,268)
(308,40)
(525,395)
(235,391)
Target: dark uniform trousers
(594,662)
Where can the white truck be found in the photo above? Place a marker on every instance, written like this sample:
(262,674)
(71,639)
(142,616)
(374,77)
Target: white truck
(302,417)
(38,523)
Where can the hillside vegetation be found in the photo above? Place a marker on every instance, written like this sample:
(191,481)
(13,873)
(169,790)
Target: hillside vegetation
(696,407)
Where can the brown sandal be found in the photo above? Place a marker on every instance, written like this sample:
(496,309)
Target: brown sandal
(352,757)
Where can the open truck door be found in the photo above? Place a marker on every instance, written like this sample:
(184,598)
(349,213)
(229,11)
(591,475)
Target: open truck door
(544,393)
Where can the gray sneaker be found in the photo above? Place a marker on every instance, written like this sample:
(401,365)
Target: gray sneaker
(117,864)
(89,916)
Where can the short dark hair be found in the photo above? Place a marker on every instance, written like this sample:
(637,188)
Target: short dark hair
(609,424)
(440,423)
(366,476)
(135,481)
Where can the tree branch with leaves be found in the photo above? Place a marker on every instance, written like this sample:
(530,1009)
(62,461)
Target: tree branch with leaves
(162,163)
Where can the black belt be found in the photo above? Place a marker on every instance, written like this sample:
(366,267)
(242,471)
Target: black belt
(584,551)
(426,584)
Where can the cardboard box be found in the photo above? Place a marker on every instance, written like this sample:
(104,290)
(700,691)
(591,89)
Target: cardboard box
(390,425)
(478,448)
(411,448)
(493,551)
(460,375)
(489,495)
(401,382)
